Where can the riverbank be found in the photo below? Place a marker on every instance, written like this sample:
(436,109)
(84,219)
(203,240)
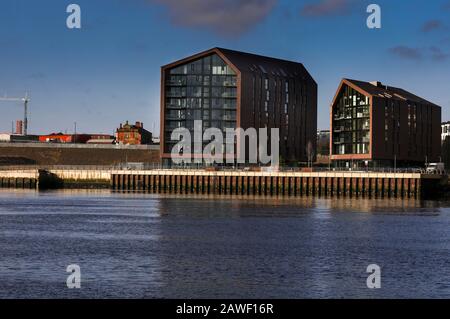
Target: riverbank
(237,182)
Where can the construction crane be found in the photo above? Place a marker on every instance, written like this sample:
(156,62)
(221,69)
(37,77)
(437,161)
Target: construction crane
(25,101)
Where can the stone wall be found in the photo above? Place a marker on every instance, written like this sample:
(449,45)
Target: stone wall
(60,154)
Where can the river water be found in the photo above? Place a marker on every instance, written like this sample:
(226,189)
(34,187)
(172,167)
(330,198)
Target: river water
(161,246)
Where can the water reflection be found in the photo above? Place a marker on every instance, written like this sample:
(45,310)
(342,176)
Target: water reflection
(214,205)
(168,246)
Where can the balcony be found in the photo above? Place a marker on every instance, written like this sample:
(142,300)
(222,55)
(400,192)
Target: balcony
(362,115)
(175,94)
(229,95)
(175,106)
(176,83)
(229,118)
(229,83)
(170,128)
(175,118)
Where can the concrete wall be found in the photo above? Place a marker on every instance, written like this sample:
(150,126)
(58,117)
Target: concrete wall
(31,173)
(405,185)
(67,154)
(81,175)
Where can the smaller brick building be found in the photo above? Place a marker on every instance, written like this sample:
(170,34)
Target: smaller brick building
(130,134)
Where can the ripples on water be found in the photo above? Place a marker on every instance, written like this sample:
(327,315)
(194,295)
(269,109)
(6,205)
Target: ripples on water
(157,246)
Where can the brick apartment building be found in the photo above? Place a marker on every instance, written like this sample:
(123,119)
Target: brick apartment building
(231,89)
(382,126)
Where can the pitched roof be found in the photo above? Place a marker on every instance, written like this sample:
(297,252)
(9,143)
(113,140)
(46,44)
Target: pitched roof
(249,62)
(385,91)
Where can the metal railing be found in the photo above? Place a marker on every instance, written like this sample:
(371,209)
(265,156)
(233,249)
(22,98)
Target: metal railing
(84,146)
(157,166)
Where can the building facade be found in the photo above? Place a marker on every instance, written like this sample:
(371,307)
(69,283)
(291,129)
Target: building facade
(101,139)
(445,131)
(18,138)
(231,89)
(64,138)
(19,127)
(381,126)
(129,134)
(323,142)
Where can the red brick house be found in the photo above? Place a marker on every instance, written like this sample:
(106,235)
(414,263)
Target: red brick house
(130,134)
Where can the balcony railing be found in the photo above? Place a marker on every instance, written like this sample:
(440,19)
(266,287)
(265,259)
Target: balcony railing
(176,94)
(175,118)
(176,83)
(175,106)
(229,83)
(229,95)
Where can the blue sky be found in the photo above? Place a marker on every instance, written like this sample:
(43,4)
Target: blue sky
(109,71)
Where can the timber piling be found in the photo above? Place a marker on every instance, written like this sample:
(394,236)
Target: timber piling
(346,184)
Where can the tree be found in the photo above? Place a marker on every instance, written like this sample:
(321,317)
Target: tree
(310,153)
(446,152)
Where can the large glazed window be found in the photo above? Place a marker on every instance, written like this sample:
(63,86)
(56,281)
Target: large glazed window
(204,89)
(351,123)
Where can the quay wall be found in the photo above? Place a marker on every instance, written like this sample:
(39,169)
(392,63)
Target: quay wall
(410,185)
(358,184)
(27,179)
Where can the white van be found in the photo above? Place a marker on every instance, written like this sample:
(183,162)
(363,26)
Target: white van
(435,168)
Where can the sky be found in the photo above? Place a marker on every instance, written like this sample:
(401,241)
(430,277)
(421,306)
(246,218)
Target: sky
(108,71)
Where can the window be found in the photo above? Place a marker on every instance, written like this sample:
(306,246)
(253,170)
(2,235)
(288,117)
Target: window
(351,123)
(206,89)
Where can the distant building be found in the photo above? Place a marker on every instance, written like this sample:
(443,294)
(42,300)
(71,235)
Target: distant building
(129,134)
(101,139)
(323,142)
(231,89)
(445,131)
(323,148)
(18,138)
(382,126)
(445,140)
(155,140)
(64,138)
(19,127)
